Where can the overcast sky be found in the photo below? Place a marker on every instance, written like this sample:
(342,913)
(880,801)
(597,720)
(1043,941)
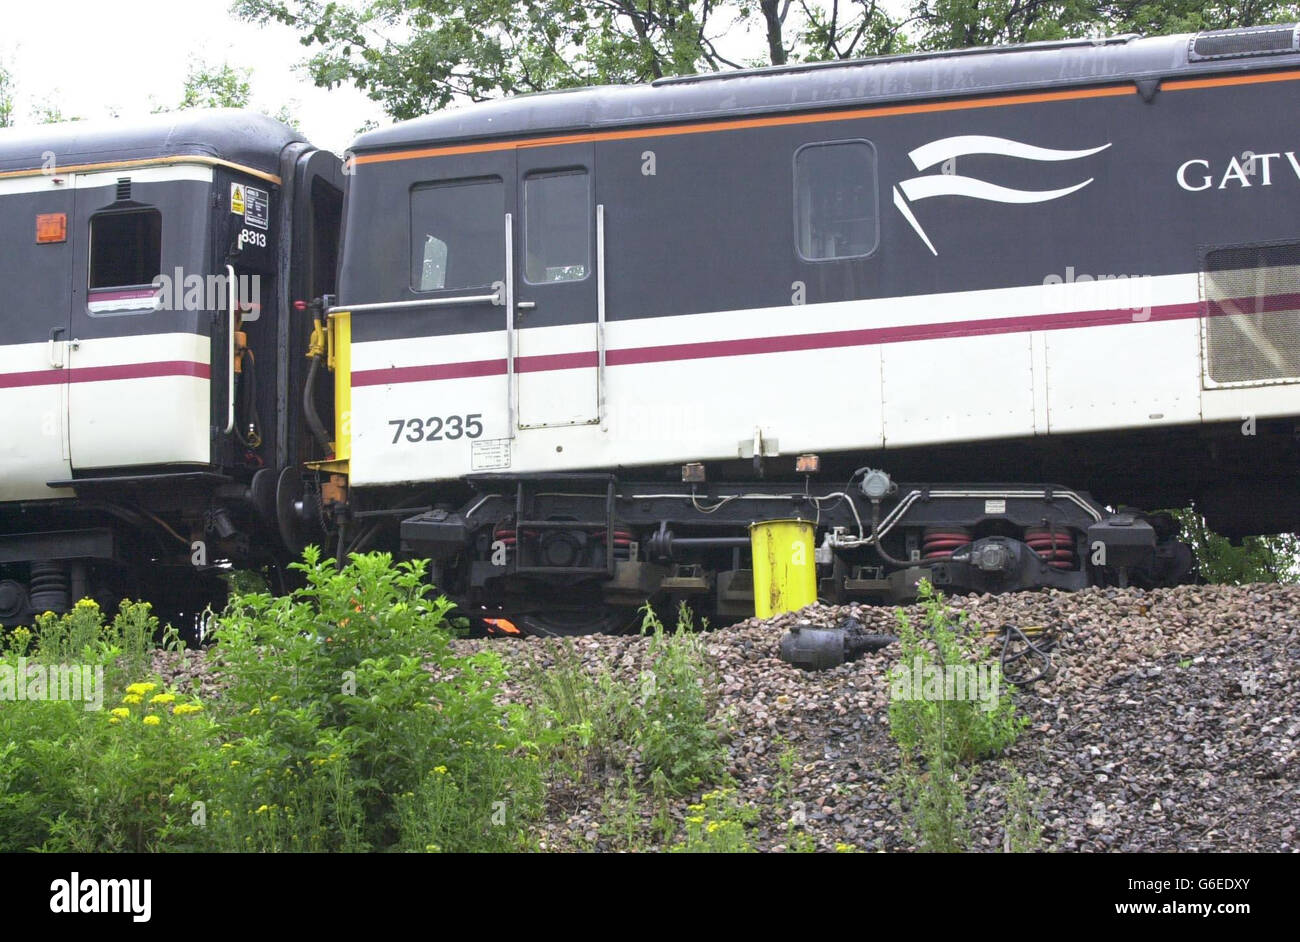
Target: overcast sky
(92,59)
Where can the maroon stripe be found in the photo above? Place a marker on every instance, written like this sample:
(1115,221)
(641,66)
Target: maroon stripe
(789,343)
(1268,304)
(828,340)
(554,361)
(423,374)
(99,374)
(111,295)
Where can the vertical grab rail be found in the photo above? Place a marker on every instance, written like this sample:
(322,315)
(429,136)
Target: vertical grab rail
(600,314)
(230,350)
(511,386)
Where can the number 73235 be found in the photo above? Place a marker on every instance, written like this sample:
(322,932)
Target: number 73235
(437,429)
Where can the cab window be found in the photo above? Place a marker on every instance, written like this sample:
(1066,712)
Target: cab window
(125,249)
(458,234)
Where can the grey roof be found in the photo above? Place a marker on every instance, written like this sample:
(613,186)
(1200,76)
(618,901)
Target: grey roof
(242,137)
(808,87)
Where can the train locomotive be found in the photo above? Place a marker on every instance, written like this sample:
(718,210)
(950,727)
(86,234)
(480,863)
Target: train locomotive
(963,312)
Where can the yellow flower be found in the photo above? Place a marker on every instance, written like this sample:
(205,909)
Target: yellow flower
(261,809)
(87,603)
(234,762)
(254,711)
(162,698)
(114,720)
(151,721)
(695,820)
(841,848)
(441,769)
(227,745)
(121,712)
(185,709)
(133,698)
(713,826)
(139,690)
(275,698)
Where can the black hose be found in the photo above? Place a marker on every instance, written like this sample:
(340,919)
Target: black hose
(309,407)
(1041,649)
(248,376)
(879,548)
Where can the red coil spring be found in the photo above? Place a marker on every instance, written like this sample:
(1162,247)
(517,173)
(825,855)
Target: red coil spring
(939,542)
(1055,547)
(621,537)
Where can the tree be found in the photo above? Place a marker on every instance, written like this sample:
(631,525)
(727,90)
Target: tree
(6,98)
(416,56)
(49,112)
(223,86)
(1257,559)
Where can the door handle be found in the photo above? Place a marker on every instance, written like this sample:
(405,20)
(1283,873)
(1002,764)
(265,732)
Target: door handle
(526,305)
(56,359)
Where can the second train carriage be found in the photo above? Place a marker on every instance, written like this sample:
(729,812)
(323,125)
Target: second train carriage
(598,329)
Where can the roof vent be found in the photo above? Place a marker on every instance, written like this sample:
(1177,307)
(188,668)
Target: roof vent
(1235,43)
(123,189)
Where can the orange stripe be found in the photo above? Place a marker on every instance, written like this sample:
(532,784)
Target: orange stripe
(1182,84)
(143,162)
(743,123)
(1109,91)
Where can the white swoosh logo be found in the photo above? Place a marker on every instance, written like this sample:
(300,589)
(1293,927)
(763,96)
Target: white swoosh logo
(951,184)
(920,188)
(967,145)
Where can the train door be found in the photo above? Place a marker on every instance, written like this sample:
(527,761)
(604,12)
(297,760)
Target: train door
(139,357)
(35,271)
(556,319)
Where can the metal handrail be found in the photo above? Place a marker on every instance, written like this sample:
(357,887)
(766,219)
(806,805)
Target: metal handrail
(230,350)
(427,302)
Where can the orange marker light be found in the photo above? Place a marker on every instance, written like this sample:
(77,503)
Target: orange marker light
(51,227)
(501,626)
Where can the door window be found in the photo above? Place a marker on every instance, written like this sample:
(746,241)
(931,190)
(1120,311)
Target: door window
(557,227)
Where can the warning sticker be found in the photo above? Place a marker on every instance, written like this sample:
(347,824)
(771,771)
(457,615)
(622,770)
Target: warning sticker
(237,199)
(257,211)
(490,455)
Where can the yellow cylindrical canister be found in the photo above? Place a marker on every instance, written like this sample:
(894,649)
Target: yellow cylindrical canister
(785,566)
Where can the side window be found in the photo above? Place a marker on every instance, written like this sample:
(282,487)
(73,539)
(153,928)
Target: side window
(125,249)
(458,234)
(557,227)
(835,205)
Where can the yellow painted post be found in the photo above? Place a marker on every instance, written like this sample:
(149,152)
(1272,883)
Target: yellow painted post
(342,353)
(785,566)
